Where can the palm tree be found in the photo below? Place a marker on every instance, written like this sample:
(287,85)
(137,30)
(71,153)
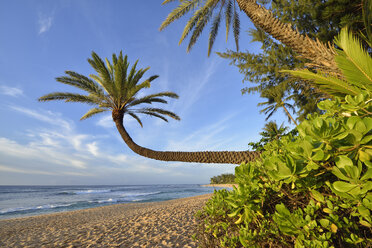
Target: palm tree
(114,89)
(353,61)
(321,55)
(274,96)
(271,131)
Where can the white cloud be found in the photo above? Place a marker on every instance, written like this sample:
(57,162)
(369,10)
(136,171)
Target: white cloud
(60,150)
(45,116)
(106,122)
(45,23)
(15,170)
(93,148)
(10,91)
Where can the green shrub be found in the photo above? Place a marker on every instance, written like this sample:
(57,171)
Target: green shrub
(226,178)
(309,190)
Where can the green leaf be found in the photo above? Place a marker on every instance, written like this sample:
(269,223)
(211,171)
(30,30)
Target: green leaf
(364,156)
(338,173)
(282,210)
(329,84)
(319,155)
(343,186)
(367,175)
(317,196)
(364,211)
(365,223)
(354,62)
(342,161)
(324,222)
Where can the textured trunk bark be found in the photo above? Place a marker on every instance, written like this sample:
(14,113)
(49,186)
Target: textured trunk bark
(222,157)
(320,55)
(289,115)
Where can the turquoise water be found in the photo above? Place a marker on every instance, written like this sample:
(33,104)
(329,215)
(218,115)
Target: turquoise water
(20,201)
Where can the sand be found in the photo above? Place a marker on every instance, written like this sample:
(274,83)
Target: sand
(160,224)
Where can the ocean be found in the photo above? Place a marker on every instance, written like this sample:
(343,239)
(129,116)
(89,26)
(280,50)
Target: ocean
(21,201)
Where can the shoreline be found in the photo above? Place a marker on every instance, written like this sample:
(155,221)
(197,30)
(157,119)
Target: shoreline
(220,185)
(152,224)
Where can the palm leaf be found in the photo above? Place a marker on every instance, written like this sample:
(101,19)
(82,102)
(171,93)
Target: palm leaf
(228,16)
(103,73)
(92,112)
(70,97)
(213,32)
(162,112)
(81,82)
(154,115)
(236,28)
(354,62)
(136,118)
(134,90)
(203,16)
(181,10)
(328,84)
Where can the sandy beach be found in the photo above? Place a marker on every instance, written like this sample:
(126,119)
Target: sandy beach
(157,224)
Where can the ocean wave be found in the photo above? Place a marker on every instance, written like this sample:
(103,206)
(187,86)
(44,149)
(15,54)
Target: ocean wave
(35,208)
(92,191)
(134,194)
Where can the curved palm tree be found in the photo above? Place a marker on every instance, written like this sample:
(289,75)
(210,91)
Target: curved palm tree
(114,89)
(321,55)
(274,96)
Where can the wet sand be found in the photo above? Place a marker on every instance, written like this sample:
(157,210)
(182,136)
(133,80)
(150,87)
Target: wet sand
(157,224)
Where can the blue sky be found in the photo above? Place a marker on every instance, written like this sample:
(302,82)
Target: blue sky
(46,144)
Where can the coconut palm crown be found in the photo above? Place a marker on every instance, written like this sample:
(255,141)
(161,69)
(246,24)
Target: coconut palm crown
(115,88)
(321,56)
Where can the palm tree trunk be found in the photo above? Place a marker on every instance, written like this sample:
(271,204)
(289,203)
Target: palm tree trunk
(320,55)
(222,157)
(289,115)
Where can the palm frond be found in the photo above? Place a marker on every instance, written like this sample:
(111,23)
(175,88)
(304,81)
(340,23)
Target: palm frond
(329,84)
(134,90)
(81,82)
(92,112)
(146,100)
(104,77)
(152,98)
(181,10)
(109,67)
(354,62)
(162,112)
(236,28)
(213,32)
(154,115)
(70,97)
(136,118)
(205,15)
(228,16)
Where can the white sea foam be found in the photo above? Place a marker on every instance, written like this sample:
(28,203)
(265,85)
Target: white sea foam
(134,194)
(92,191)
(22,209)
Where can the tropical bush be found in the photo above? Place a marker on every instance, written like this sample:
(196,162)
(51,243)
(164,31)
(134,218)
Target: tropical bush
(223,179)
(309,190)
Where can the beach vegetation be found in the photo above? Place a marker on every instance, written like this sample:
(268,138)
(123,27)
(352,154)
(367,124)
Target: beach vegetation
(311,189)
(226,178)
(271,131)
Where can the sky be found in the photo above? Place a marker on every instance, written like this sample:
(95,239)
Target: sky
(46,143)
